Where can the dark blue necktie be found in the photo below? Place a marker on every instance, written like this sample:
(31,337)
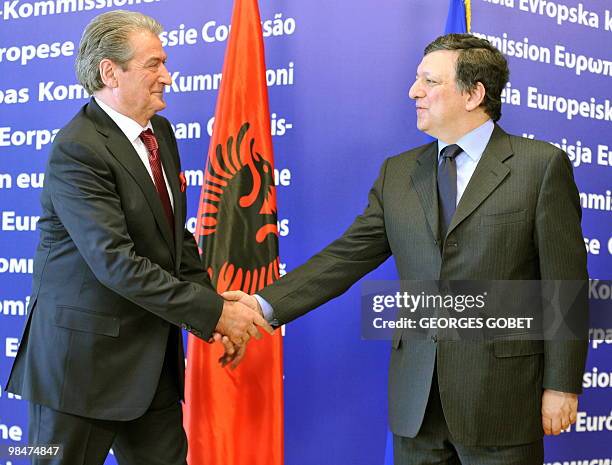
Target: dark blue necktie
(447,187)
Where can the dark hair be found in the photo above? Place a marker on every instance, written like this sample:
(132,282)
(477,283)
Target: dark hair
(478,61)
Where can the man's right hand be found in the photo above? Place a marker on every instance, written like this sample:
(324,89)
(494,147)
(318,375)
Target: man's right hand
(244,298)
(239,322)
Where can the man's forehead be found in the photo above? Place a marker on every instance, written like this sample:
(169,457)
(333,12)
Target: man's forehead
(440,62)
(146,42)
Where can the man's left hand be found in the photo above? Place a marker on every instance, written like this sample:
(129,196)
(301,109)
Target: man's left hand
(233,353)
(559,410)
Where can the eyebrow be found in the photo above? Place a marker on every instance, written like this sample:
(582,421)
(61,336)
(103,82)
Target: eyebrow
(154,60)
(427,74)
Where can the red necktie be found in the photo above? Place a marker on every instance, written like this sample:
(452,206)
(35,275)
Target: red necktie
(150,142)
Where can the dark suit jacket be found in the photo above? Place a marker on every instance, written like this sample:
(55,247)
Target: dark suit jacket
(109,278)
(519,219)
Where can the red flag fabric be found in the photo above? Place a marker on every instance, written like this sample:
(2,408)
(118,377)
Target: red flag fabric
(236,417)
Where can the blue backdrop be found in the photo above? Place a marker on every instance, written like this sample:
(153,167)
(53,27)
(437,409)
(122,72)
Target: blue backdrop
(339,74)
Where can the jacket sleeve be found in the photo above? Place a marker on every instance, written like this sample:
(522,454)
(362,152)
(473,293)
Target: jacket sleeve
(331,272)
(192,268)
(562,256)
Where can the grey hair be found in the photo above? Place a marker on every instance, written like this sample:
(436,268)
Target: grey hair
(107,36)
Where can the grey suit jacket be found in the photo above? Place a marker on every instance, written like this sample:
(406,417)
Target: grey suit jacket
(518,219)
(109,277)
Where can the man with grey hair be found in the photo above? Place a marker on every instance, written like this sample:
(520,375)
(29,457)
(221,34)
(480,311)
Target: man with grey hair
(115,273)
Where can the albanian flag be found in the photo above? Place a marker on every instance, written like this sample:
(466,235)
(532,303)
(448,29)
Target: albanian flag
(236,417)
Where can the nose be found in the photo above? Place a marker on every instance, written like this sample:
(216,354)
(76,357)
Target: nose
(416,90)
(165,77)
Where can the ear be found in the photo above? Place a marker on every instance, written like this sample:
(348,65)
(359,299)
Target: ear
(475,97)
(107,73)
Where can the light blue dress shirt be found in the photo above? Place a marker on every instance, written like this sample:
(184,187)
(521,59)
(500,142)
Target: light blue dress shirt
(473,145)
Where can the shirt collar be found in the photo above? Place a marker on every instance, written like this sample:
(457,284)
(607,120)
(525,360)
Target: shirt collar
(474,142)
(128,126)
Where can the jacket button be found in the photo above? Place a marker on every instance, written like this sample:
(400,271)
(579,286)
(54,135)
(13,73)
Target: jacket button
(434,338)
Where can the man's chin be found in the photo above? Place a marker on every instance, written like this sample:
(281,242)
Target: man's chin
(425,128)
(160,104)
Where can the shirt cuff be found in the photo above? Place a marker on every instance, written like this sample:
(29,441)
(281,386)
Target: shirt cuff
(266,308)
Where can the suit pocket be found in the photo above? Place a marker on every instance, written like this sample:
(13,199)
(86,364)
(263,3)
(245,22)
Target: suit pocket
(504,349)
(504,218)
(79,319)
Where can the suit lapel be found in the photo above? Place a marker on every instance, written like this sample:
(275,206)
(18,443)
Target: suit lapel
(171,171)
(123,150)
(424,180)
(489,174)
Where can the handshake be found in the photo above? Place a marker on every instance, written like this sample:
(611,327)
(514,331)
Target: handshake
(238,323)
